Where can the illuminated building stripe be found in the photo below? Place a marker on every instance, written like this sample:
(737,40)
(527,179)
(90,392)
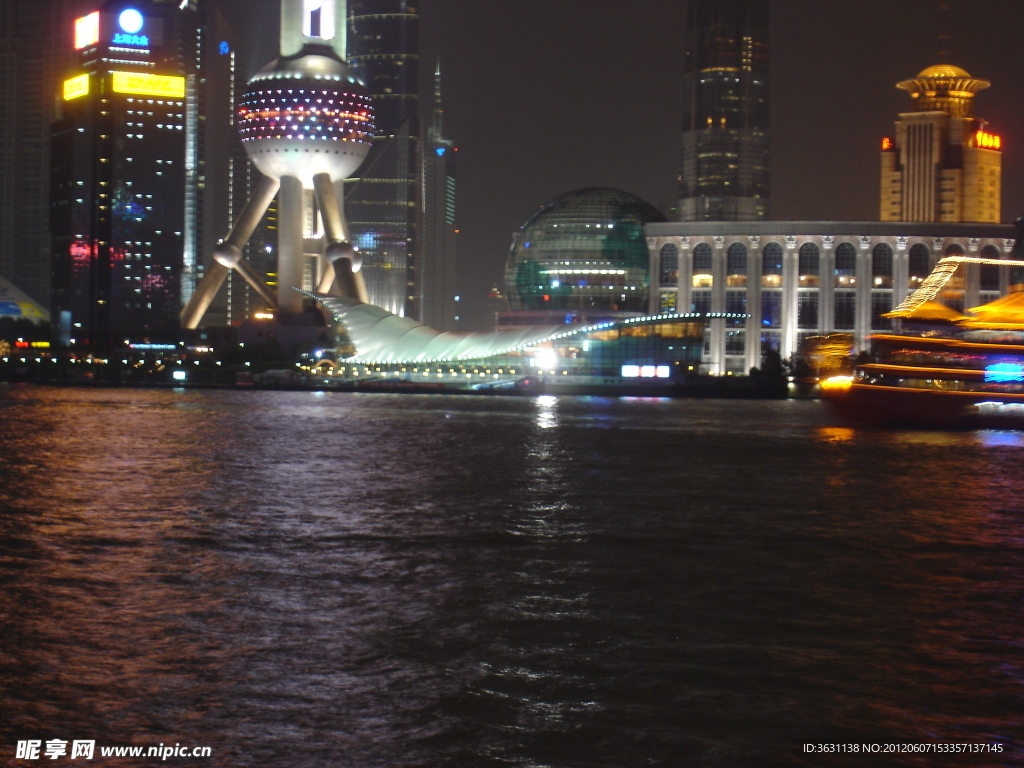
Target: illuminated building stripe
(75,87)
(141,84)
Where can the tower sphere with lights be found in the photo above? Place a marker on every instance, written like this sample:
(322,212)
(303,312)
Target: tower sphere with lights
(304,115)
(306,122)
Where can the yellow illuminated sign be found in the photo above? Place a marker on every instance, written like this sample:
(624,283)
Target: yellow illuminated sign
(141,84)
(75,87)
(987,140)
(886,143)
(87,30)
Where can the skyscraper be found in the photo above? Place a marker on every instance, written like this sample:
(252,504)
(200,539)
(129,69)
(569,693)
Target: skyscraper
(724,170)
(230,179)
(30,64)
(384,199)
(942,165)
(125,175)
(439,252)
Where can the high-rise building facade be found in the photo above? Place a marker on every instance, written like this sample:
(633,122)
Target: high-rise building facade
(724,170)
(383,201)
(30,64)
(125,175)
(439,233)
(230,178)
(942,165)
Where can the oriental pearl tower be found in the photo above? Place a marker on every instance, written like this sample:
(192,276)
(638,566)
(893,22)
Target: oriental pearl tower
(306,123)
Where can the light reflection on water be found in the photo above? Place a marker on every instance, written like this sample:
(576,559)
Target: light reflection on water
(336,579)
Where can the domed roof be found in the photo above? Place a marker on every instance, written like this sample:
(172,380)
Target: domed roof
(583,250)
(943,70)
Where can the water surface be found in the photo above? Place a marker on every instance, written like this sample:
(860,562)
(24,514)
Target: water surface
(332,579)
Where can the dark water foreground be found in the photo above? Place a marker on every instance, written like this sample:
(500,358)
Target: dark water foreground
(328,579)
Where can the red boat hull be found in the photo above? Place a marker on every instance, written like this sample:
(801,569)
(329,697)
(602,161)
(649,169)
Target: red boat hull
(906,406)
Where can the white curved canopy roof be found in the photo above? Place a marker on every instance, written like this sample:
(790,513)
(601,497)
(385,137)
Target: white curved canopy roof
(381,337)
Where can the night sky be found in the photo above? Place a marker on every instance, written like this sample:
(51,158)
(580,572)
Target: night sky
(546,96)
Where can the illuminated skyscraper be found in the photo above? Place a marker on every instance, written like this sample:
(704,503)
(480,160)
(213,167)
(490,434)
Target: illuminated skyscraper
(439,252)
(125,175)
(724,172)
(942,164)
(384,198)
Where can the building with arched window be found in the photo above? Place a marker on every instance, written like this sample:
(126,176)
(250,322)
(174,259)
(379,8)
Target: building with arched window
(795,279)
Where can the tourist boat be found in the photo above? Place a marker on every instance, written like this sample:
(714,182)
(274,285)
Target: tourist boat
(941,367)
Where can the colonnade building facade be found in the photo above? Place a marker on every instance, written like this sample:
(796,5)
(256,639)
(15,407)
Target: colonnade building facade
(795,279)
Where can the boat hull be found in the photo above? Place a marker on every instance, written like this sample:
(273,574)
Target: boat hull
(877,405)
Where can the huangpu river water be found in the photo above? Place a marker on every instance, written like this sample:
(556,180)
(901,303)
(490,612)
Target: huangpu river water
(329,579)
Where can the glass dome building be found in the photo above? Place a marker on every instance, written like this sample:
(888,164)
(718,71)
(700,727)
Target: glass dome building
(584,251)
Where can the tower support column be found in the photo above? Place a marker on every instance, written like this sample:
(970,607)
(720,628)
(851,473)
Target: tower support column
(290,244)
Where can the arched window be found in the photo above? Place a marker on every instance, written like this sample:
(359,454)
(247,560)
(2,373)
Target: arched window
(669,264)
(881,266)
(955,249)
(846,266)
(809,265)
(736,266)
(919,260)
(988,277)
(771,266)
(702,266)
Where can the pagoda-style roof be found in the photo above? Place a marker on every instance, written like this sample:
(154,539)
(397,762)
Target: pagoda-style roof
(928,311)
(1005,312)
(944,88)
(1011,302)
(943,71)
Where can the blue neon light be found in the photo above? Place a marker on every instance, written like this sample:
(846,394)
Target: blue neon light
(440,151)
(224,48)
(1003,373)
(123,38)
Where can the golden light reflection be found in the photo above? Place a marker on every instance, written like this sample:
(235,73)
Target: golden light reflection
(836,434)
(835,384)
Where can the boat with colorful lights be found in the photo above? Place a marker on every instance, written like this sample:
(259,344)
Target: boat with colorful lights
(939,366)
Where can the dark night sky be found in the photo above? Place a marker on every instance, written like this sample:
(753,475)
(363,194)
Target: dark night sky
(545,96)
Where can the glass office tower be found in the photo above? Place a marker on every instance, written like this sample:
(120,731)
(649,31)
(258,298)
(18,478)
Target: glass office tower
(383,201)
(439,252)
(724,170)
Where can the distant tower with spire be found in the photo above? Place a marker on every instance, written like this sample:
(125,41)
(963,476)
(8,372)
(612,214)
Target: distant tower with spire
(942,164)
(723,175)
(439,233)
